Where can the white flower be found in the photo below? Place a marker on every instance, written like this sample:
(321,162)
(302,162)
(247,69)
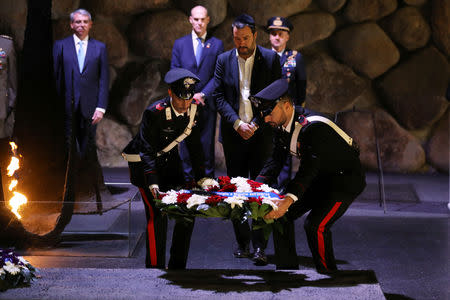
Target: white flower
(11,268)
(242,185)
(170,197)
(195,200)
(268,189)
(2,271)
(206,183)
(271,203)
(233,201)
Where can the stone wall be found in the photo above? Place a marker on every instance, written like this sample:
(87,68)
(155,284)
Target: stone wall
(386,59)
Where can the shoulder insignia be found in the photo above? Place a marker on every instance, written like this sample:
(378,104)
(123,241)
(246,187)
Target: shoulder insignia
(160,106)
(6,37)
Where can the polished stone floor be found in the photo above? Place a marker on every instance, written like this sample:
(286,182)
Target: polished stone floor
(406,246)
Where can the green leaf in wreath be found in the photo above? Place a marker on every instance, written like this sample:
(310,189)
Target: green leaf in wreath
(254,210)
(223,210)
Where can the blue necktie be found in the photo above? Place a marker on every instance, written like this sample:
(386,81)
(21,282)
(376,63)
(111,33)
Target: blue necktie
(198,53)
(81,54)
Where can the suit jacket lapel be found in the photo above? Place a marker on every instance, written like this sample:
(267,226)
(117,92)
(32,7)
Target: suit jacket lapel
(256,71)
(89,53)
(70,43)
(235,70)
(190,48)
(283,57)
(206,48)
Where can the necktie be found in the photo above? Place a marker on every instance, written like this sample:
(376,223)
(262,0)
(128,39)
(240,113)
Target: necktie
(81,54)
(198,53)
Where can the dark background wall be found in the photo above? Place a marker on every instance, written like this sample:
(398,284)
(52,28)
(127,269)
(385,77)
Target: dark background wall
(389,57)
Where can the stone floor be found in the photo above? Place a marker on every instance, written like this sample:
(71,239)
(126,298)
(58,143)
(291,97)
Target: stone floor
(400,252)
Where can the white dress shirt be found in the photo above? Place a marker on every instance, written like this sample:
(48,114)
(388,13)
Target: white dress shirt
(280,53)
(195,41)
(77,44)
(245,80)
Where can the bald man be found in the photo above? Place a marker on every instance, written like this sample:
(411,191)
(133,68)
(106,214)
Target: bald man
(198,52)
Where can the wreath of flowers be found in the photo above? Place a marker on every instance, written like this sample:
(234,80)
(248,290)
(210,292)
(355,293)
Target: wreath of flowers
(205,202)
(14,270)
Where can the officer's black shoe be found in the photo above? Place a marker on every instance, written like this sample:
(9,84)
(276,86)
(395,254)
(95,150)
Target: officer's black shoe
(327,271)
(242,252)
(259,257)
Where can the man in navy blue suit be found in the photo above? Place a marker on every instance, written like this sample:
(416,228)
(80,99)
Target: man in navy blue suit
(198,52)
(242,72)
(82,78)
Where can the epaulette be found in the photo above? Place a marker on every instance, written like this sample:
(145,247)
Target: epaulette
(6,37)
(161,106)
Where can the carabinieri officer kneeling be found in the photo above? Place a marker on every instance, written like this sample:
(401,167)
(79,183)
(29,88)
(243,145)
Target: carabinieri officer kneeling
(329,178)
(155,164)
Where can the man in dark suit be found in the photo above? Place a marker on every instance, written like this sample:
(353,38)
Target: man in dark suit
(82,78)
(293,69)
(239,73)
(154,163)
(198,52)
(329,178)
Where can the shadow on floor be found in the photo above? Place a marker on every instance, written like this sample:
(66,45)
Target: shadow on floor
(223,281)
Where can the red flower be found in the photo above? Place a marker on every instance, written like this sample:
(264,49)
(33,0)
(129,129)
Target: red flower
(182,198)
(255,199)
(228,188)
(254,185)
(214,200)
(224,180)
(213,189)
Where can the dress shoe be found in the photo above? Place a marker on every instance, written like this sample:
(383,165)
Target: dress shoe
(242,252)
(259,257)
(327,271)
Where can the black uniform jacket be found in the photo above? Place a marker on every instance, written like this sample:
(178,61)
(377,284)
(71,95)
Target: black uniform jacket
(157,130)
(323,154)
(293,68)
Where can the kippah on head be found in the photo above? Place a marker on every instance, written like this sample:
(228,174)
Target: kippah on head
(245,19)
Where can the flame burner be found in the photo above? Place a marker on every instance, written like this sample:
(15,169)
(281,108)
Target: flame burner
(18,199)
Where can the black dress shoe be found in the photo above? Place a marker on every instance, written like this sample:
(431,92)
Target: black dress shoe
(259,257)
(242,252)
(327,271)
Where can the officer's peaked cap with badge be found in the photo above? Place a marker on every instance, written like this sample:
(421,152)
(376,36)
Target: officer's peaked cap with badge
(182,82)
(266,99)
(279,23)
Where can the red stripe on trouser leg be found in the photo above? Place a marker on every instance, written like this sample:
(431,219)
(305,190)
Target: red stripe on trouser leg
(320,231)
(150,230)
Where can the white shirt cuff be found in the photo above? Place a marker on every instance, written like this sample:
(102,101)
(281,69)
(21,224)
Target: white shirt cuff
(101,109)
(237,123)
(292,196)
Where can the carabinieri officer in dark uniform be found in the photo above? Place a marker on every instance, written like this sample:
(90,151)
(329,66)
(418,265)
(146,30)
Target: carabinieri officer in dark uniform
(293,70)
(329,178)
(155,164)
(291,61)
